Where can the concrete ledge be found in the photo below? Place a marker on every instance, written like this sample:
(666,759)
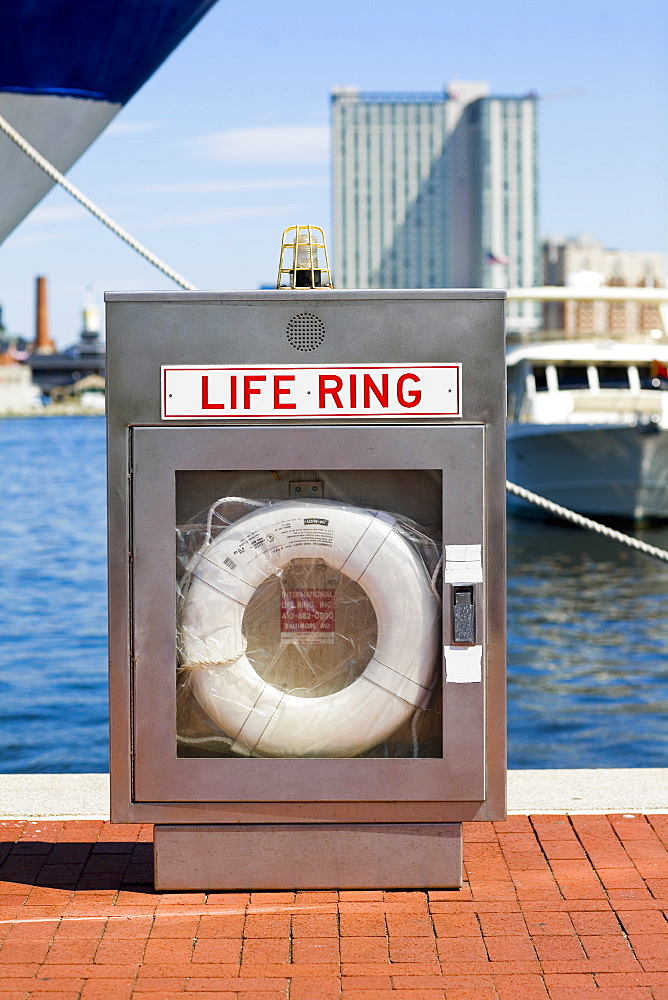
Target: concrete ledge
(600,790)
(591,790)
(54,796)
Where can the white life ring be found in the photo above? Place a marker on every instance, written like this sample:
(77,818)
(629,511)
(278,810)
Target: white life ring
(259,718)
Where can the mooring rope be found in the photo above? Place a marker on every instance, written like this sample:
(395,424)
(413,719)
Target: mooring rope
(51,171)
(586,522)
(90,206)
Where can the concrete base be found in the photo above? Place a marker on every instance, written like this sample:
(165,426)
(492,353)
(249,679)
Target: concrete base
(308,856)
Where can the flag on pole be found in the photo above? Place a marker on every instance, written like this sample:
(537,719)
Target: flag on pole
(496,258)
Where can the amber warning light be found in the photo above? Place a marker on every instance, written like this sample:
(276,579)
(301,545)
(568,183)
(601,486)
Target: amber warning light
(303,262)
(204,392)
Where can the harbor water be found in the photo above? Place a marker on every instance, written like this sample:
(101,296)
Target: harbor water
(587,622)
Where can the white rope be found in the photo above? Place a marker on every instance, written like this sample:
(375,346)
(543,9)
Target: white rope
(586,522)
(106,220)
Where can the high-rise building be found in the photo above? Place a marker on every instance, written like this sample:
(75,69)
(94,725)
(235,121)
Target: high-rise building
(436,190)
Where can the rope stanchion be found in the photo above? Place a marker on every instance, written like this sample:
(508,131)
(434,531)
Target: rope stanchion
(90,206)
(586,522)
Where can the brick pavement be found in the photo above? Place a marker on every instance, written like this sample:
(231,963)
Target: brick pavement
(565,908)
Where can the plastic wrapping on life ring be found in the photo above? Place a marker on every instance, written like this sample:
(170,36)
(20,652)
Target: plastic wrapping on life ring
(258,717)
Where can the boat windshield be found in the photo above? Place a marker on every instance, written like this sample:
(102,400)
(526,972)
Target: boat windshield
(608,376)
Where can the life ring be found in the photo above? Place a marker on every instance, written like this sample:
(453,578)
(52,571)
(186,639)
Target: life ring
(260,719)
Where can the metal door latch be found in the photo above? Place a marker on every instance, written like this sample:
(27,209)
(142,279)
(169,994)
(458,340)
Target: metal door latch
(463,615)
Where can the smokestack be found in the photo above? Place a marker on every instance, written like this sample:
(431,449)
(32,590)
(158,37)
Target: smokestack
(43,343)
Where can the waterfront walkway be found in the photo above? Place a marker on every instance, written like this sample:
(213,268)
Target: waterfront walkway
(565,907)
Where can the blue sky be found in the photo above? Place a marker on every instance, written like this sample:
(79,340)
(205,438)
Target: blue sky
(228,142)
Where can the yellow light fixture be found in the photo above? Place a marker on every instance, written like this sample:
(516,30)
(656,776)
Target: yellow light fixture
(304,262)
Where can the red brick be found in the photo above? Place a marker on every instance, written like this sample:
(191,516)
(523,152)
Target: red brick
(482,852)
(640,978)
(168,950)
(127,927)
(229,901)
(434,981)
(314,925)
(319,896)
(315,989)
(643,922)
(362,924)
(278,970)
(244,987)
(267,925)
(366,983)
(556,948)
(599,946)
(72,952)
(408,925)
(477,993)
(412,949)
(170,984)
(22,951)
(265,899)
(315,950)
(493,924)
(602,922)
(265,950)
(485,889)
(22,931)
(553,827)
(455,924)
(646,946)
(437,994)
(549,923)
(518,987)
(119,952)
(462,949)
(513,824)
(106,989)
(227,925)
(169,926)
(584,982)
(620,878)
(395,968)
(226,950)
(364,949)
(510,948)
(562,850)
(75,930)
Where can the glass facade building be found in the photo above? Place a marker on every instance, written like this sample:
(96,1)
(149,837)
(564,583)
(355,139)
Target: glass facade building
(437,191)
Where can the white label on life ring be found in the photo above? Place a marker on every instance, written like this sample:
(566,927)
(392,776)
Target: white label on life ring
(308,615)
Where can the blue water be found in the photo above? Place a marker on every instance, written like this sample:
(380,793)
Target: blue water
(587,632)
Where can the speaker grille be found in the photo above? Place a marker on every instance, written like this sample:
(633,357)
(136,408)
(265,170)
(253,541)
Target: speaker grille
(305,332)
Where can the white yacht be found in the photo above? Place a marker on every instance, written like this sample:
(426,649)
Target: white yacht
(588,426)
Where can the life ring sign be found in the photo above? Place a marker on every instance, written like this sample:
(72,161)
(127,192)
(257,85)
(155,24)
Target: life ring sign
(258,718)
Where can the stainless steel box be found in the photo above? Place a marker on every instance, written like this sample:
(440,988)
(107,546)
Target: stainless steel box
(449,466)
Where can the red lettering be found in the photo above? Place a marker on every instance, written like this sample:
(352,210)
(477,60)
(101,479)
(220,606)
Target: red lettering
(382,394)
(353,391)
(233,392)
(413,396)
(327,390)
(206,405)
(279,391)
(248,389)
